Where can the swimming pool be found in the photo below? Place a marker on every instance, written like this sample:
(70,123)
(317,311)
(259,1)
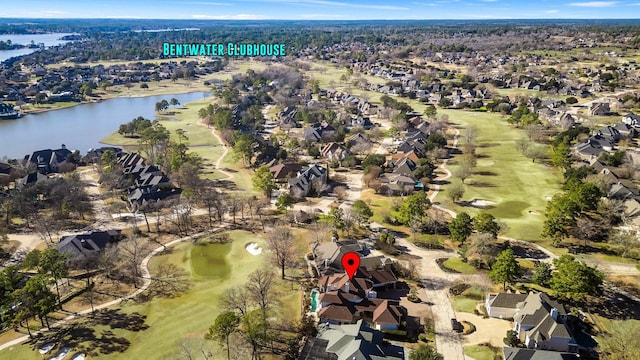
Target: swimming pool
(314,300)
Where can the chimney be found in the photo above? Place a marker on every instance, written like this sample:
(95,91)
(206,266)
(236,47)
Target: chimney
(554,314)
(346,287)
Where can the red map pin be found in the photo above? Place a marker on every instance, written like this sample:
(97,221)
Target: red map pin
(350,263)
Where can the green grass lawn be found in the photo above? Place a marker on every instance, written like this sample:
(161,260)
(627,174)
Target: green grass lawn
(480,352)
(189,315)
(185,118)
(516,185)
(503,175)
(464,304)
(513,92)
(456,264)
(605,324)
(200,140)
(467,301)
(526,264)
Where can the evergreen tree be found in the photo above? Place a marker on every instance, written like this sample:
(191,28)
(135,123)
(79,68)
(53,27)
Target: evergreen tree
(461,227)
(506,268)
(485,223)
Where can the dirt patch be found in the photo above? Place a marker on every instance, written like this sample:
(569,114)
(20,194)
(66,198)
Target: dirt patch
(629,284)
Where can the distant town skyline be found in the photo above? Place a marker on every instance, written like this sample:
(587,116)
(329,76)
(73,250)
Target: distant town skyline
(324,9)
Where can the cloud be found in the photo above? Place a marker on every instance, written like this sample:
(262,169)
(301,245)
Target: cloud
(321,16)
(594,4)
(552,11)
(488,0)
(229,17)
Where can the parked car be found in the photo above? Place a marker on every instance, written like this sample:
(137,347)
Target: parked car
(456,326)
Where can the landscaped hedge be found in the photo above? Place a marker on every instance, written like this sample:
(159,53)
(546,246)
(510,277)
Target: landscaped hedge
(397,335)
(458,289)
(468,328)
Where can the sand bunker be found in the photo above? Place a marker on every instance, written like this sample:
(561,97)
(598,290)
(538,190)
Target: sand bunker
(253,249)
(482,203)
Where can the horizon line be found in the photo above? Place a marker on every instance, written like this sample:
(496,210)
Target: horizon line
(306,20)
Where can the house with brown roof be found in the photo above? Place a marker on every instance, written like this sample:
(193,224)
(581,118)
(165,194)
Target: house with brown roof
(397,184)
(411,155)
(283,172)
(334,152)
(345,301)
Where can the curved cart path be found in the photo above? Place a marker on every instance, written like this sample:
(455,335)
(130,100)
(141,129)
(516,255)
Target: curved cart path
(146,275)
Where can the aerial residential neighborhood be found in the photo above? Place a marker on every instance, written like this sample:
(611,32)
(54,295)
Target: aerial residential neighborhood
(483,173)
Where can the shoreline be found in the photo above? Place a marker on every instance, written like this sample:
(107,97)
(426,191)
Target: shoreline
(158,116)
(104,97)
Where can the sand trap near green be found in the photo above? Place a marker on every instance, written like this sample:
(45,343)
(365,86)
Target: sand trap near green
(214,268)
(515,188)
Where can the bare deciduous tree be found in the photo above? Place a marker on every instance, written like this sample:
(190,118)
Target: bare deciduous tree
(132,251)
(236,299)
(319,231)
(259,288)
(282,246)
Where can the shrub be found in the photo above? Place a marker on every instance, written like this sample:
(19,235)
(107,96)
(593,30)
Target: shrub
(458,289)
(511,339)
(399,335)
(413,296)
(469,328)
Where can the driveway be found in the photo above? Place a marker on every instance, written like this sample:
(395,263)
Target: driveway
(437,284)
(489,330)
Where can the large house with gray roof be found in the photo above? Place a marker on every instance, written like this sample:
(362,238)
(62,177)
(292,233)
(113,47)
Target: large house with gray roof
(511,353)
(48,161)
(86,246)
(347,342)
(539,321)
(308,180)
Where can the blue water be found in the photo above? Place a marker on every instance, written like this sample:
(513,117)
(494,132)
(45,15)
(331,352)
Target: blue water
(80,127)
(314,300)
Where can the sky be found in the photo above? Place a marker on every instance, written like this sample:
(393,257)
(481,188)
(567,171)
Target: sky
(323,9)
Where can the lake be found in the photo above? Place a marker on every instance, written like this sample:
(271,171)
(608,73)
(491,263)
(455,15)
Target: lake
(80,127)
(47,39)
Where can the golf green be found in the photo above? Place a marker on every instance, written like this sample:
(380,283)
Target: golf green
(210,261)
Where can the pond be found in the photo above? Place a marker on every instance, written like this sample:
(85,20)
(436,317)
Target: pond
(210,261)
(80,127)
